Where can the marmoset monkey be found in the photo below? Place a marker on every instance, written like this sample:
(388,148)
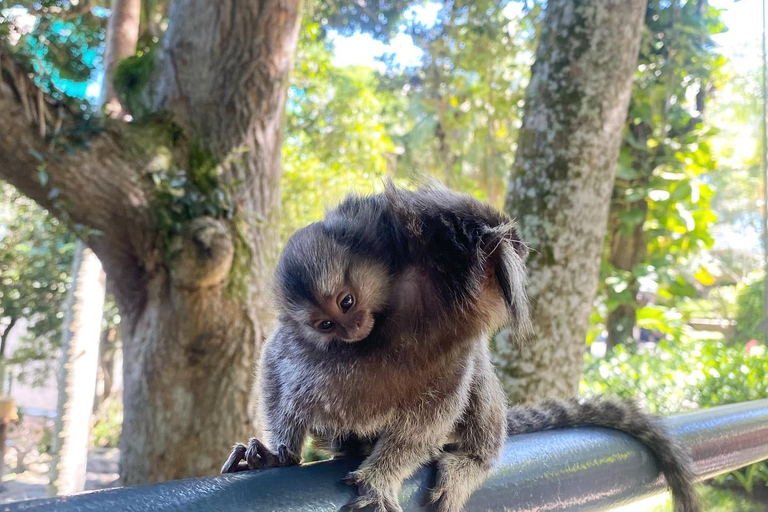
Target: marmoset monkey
(381,348)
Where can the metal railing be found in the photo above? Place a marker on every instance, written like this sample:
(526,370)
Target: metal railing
(585,469)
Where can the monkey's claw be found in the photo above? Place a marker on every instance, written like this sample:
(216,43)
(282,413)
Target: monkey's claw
(235,460)
(352,478)
(457,477)
(380,500)
(257,456)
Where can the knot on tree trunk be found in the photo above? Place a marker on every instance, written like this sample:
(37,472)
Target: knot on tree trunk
(201,255)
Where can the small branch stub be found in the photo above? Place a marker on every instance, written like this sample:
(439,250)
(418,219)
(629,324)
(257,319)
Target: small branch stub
(201,255)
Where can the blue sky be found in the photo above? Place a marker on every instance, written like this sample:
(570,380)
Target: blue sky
(363,49)
(742,17)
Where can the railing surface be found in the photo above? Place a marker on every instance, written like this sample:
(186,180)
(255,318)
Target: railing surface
(585,469)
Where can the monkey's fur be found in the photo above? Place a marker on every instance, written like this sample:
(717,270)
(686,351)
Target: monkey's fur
(402,372)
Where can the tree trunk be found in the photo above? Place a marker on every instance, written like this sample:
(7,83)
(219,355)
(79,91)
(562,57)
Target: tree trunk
(561,182)
(122,38)
(3,345)
(627,250)
(191,346)
(189,341)
(77,373)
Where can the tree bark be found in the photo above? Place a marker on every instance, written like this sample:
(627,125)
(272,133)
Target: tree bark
(122,38)
(3,344)
(561,182)
(77,373)
(188,343)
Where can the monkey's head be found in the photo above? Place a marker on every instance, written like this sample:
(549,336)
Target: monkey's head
(325,290)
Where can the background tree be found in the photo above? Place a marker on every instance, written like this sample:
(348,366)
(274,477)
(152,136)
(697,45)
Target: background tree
(80,343)
(77,373)
(35,258)
(187,270)
(459,112)
(562,181)
(660,211)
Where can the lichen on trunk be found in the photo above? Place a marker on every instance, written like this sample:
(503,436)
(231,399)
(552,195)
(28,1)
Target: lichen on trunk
(561,182)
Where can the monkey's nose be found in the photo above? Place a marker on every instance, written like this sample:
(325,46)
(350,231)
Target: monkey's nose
(360,327)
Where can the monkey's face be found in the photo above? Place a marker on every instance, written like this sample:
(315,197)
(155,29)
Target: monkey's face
(344,308)
(343,317)
(327,292)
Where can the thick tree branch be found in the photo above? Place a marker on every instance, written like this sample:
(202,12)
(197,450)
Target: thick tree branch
(95,179)
(225,84)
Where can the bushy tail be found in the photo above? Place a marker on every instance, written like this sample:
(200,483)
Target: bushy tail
(624,416)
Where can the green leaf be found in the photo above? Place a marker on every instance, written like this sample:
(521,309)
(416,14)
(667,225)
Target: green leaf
(42,175)
(36,154)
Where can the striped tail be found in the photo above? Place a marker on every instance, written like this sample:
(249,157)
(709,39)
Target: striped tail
(621,415)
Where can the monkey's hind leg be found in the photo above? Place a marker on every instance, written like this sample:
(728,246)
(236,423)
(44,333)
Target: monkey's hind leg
(394,458)
(479,436)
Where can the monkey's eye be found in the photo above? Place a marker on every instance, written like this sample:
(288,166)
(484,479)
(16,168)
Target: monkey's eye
(325,325)
(347,302)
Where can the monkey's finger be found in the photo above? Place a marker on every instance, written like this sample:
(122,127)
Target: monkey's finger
(257,455)
(359,502)
(433,496)
(241,466)
(268,458)
(285,456)
(233,461)
(352,478)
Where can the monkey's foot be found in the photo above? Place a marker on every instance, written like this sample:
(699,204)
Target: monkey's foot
(458,475)
(379,498)
(257,456)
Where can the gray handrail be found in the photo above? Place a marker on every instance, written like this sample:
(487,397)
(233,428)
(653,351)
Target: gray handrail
(584,469)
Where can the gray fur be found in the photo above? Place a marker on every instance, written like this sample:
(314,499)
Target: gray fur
(435,273)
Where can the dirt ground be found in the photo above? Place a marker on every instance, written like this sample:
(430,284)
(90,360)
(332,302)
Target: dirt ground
(26,462)
(33,483)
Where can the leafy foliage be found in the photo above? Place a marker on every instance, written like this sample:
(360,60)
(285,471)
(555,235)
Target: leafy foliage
(661,208)
(676,377)
(183,195)
(750,313)
(36,254)
(377,18)
(63,46)
(107,428)
(457,114)
(131,79)
(719,500)
(335,141)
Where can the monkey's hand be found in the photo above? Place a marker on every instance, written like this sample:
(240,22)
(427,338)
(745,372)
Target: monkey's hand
(258,456)
(382,497)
